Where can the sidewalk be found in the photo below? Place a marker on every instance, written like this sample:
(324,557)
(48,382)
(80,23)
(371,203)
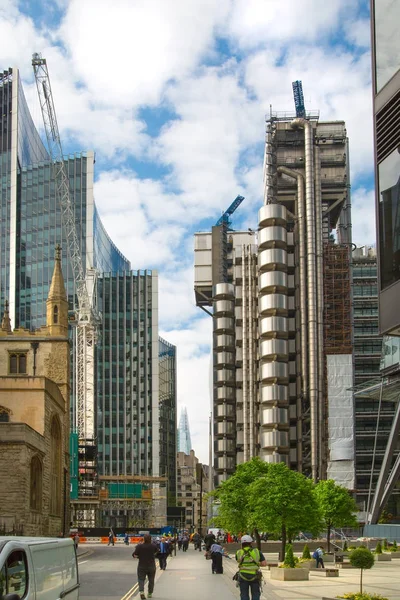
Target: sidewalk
(188,576)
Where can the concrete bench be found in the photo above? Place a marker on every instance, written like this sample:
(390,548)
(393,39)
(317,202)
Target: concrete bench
(272,564)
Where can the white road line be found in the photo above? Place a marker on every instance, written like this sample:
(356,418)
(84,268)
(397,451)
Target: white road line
(83,562)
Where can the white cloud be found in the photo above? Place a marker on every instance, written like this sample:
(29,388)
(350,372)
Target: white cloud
(363,217)
(127,53)
(262,22)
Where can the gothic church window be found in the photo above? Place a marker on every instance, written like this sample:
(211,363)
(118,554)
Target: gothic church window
(36,484)
(55,470)
(4,415)
(17,364)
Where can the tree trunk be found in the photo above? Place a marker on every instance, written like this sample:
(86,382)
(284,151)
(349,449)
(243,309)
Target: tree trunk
(361,582)
(258,539)
(283,546)
(328,538)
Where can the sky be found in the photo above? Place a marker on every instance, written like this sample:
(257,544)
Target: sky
(172,97)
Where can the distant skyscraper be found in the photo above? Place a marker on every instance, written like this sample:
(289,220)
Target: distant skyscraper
(184,441)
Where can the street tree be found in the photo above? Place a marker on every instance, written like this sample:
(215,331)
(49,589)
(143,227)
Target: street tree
(362,558)
(233,498)
(336,505)
(282,502)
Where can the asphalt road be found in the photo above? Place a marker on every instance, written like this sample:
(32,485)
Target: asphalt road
(107,572)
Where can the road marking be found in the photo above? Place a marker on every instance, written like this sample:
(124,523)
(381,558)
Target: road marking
(82,562)
(130,592)
(187,578)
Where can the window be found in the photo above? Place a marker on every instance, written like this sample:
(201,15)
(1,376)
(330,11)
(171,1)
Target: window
(14,575)
(4,417)
(17,363)
(55,471)
(36,484)
(389,218)
(55,315)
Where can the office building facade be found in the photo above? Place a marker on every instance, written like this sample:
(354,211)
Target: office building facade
(167,414)
(281,306)
(385,16)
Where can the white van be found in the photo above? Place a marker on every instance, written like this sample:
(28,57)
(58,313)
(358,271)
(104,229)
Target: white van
(38,569)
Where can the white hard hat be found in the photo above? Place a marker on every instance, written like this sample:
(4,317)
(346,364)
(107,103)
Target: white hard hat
(246,539)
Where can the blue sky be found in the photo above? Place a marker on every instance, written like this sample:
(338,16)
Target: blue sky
(172,95)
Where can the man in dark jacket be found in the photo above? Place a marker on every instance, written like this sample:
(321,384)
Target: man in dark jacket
(146,553)
(209,540)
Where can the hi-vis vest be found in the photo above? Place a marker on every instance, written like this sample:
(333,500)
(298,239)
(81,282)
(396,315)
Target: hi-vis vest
(250,563)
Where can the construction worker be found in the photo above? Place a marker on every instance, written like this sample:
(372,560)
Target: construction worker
(249,562)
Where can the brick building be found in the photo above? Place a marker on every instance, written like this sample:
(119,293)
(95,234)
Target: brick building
(192,486)
(34,419)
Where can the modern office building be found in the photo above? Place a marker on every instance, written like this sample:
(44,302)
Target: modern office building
(281,308)
(167,414)
(184,439)
(385,15)
(126,439)
(372,422)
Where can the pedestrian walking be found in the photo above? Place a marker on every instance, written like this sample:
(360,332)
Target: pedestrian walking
(197,541)
(249,562)
(318,555)
(146,553)
(217,553)
(162,554)
(110,539)
(180,540)
(76,541)
(185,543)
(209,540)
(126,539)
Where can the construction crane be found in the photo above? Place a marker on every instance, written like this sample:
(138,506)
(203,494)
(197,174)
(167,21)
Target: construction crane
(299,99)
(225,217)
(86,317)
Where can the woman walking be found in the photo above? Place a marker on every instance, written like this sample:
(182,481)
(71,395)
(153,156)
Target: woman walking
(217,553)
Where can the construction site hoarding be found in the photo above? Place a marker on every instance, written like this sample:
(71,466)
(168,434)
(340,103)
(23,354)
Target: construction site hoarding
(341,465)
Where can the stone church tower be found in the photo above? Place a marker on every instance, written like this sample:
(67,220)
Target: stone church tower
(34,420)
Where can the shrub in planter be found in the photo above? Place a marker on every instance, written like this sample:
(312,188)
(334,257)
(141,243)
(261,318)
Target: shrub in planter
(394,548)
(345,548)
(385,545)
(378,549)
(306,552)
(362,558)
(289,562)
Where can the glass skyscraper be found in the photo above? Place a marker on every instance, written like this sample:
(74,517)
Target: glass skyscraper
(386,81)
(184,440)
(127,367)
(167,398)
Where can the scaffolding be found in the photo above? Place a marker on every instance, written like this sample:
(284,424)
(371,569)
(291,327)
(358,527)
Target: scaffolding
(337,300)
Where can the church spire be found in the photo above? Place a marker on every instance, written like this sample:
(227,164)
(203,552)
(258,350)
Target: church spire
(57,303)
(6,321)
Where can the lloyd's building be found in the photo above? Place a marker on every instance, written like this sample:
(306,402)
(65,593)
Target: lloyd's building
(126,426)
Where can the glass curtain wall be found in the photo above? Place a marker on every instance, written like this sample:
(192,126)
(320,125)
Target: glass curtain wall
(168,431)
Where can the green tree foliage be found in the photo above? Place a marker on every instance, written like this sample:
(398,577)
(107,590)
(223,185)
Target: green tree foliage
(289,561)
(306,552)
(362,558)
(394,547)
(336,505)
(385,545)
(233,496)
(282,503)
(378,549)
(345,547)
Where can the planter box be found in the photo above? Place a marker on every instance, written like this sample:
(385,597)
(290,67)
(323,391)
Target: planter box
(328,558)
(308,564)
(346,565)
(290,574)
(395,554)
(382,557)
